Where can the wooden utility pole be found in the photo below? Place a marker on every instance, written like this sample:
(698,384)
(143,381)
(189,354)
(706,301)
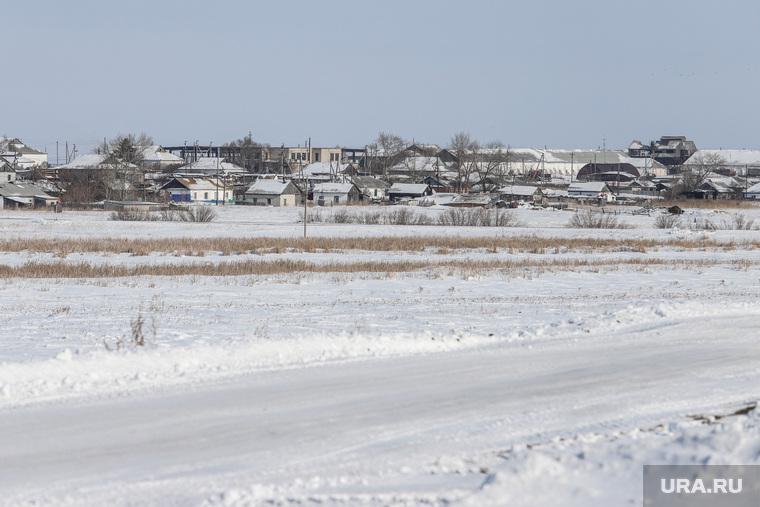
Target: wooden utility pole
(305,209)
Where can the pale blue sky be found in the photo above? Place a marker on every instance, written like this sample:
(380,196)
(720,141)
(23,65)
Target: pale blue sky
(533,73)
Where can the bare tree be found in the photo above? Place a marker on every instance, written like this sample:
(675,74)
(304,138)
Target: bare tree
(492,168)
(250,151)
(465,150)
(698,169)
(386,151)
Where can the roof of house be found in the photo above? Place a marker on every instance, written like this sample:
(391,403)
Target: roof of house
(209,165)
(22,190)
(729,157)
(195,183)
(93,161)
(369,182)
(323,168)
(644,183)
(754,189)
(271,187)
(418,163)
(156,153)
(15,145)
(588,186)
(723,184)
(86,161)
(472,199)
(333,188)
(526,190)
(408,188)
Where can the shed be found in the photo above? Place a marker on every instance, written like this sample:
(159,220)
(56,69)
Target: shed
(331,193)
(268,192)
(399,191)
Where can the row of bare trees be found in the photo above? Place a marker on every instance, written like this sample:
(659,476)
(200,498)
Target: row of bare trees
(474,165)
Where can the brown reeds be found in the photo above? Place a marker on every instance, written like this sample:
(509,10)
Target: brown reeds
(232,246)
(280,266)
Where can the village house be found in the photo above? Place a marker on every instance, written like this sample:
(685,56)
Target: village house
(270,192)
(718,187)
(470,201)
(590,190)
(331,193)
(438,183)
(22,156)
(7,174)
(752,192)
(196,191)
(726,161)
(408,191)
(521,193)
(668,151)
(24,195)
(643,187)
(374,189)
(321,171)
(156,158)
(211,166)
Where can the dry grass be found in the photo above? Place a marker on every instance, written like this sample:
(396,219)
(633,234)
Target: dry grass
(709,204)
(232,246)
(273,267)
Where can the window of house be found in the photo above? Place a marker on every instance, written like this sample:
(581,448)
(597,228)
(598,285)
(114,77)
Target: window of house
(205,195)
(336,198)
(285,202)
(269,201)
(255,200)
(316,156)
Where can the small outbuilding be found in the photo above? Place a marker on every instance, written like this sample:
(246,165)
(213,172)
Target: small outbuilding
(402,191)
(269,192)
(373,189)
(24,195)
(332,193)
(197,190)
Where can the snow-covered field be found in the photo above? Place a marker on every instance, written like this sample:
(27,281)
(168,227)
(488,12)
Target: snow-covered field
(548,385)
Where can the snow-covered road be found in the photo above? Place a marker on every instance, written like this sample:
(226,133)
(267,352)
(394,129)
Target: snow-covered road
(367,427)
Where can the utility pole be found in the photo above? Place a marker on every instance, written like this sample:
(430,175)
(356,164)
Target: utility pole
(572,165)
(216,200)
(305,209)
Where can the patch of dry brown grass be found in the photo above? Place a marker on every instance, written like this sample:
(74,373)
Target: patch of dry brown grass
(709,204)
(232,246)
(280,266)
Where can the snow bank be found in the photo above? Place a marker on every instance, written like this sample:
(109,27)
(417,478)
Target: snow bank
(594,470)
(71,374)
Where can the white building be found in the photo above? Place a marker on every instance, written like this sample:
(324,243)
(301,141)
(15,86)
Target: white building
(331,193)
(197,191)
(590,189)
(157,158)
(7,174)
(752,192)
(211,166)
(22,156)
